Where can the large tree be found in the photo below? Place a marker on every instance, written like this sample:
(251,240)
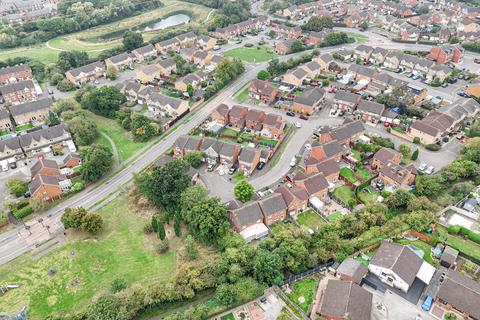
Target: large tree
(191,196)
(104,101)
(17,187)
(83,130)
(267,267)
(92,223)
(318,23)
(132,40)
(207,220)
(164,186)
(72,217)
(243,191)
(97,160)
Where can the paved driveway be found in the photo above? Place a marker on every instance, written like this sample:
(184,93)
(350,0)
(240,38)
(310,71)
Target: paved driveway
(413,294)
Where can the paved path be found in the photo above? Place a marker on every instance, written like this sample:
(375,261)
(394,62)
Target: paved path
(114,149)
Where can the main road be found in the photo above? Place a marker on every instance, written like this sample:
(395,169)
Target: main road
(16,242)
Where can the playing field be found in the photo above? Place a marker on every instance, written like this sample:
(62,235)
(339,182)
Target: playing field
(252,54)
(86,268)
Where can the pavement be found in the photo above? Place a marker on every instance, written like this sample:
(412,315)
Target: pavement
(15,242)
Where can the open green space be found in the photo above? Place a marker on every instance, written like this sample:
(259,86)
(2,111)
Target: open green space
(359,38)
(252,54)
(334,216)
(310,219)
(86,267)
(344,193)
(123,139)
(305,288)
(241,95)
(94,41)
(348,174)
(460,243)
(425,247)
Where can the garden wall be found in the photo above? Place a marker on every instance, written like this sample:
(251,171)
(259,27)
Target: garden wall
(402,135)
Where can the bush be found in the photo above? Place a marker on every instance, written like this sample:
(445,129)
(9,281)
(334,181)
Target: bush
(3,218)
(17,187)
(454,229)
(163,246)
(433,147)
(118,285)
(148,229)
(416,140)
(77,187)
(22,213)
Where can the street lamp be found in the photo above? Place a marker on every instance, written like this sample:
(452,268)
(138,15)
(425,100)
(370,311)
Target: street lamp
(40,220)
(48,228)
(28,229)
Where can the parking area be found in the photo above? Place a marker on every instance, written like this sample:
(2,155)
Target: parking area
(393,307)
(413,295)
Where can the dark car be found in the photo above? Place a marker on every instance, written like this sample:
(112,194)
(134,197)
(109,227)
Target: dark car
(476,60)
(260,165)
(291,114)
(304,117)
(232,170)
(13,165)
(27,194)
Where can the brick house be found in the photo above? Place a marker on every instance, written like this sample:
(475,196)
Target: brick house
(329,168)
(89,72)
(286,31)
(274,208)
(324,151)
(370,111)
(46,187)
(220,114)
(201,58)
(193,79)
(315,38)
(45,167)
(185,144)
(10,148)
(295,77)
(34,141)
(273,126)
(246,216)
(325,61)
(284,47)
(309,101)
(34,112)
(248,160)
(167,66)
(348,132)
(120,61)
(6,124)
(72,160)
(316,185)
(345,100)
(229,154)
(16,73)
(144,53)
(385,155)
(237,115)
(446,53)
(148,73)
(312,68)
(263,91)
(18,92)
(296,198)
(164,46)
(397,175)
(351,270)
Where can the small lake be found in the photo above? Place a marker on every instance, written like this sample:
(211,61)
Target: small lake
(171,21)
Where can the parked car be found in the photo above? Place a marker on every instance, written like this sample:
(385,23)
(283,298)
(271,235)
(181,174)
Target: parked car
(462,94)
(293,162)
(427,304)
(298,125)
(308,146)
(50,91)
(260,165)
(444,85)
(387,124)
(232,171)
(416,77)
(27,194)
(303,117)
(422,167)
(291,114)
(430,170)
(210,167)
(466,78)
(476,60)
(341,113)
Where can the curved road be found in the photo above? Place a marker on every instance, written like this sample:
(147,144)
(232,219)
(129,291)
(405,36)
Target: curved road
(19,241)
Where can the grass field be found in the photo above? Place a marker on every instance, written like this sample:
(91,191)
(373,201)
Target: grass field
(305,288)
(90,40)
(252,54)
(310,219)
(348,174)
(463,245)
(334,216)
(123,140)
(86,268)
(241,95)
(366,196)
(344,193)
(425,247)
(359,38)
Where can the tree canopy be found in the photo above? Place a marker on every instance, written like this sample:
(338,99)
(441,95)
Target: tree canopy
(97,160)
(104,101)
(243,190)
(318,23)
(132,40)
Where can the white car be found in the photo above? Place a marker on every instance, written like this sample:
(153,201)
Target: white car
(430,170)
(298,125)
(422,167)
(293,162)
(221,172)
(308,146)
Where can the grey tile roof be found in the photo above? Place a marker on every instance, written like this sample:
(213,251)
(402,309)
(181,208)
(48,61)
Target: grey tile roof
(50,133)
(385,154)
(328,167)
(315,183)
(40,180)
(332,148)
(4,114)
(17,86)
(353,268)
(42,163)
(348,130)
(248,154)
(167,63)
(346,96)
(145,49)
(248,214)
(346,300)
(87,68)
(119,58)
(165,100)
(371,107)
(36,105)
(299,73)
(273,203)
(11,143)
(228,149)
(310,97)
(400,259)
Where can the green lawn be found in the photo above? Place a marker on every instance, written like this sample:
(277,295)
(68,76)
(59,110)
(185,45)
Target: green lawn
(252,54)
(228,317)
(366,196)
(241,95)
(230,132)
(305,288)
(458,242)
(425,247)
(348,174)
(86,268)
(310,219)
(123,140)
(359,38)
(344,193)
(357,155)
(334,216)
(362,173)
(24,127)
(272,142)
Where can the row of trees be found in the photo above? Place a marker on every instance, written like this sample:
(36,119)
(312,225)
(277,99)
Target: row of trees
(225,72)
(73,17)
(276,68)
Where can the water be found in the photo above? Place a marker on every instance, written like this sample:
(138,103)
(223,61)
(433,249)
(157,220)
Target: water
(171,21)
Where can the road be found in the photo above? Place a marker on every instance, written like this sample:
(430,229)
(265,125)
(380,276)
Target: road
(19,241)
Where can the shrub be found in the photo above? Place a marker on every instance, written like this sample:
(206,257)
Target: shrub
(22,213)
(416,140)
(163,246)
(432,147)
(3,218)
(77,187)
(118,285)
(454,229)
(17,187)
(147,228)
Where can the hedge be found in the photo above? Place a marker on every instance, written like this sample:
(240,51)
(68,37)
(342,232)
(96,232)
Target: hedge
(432,147)
(473,236)
(22,213)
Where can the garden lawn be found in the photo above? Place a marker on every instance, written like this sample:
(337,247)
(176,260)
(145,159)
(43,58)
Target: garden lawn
(344,193)
(86,268)
(304,288)
(123,139)
(425,247)
(334,216)
(24,127)
(271,142)
(310,219)
(228,317)
(362,173)
(251,54)
(230,132)
(357,155)
(466,246)
(348,174)
(366,196)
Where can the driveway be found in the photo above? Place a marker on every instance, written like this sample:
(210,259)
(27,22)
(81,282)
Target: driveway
(413,294)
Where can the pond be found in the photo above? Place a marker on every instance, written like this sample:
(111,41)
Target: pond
(171,21)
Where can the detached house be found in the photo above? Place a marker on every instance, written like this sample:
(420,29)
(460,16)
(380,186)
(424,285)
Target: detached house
(229,154)
(34,112)
(384,156)
(363,51)
(309,101)
(144,53)
(248,160)
(168,106)
(119,62)
(262,91)
(193,79)
(396,175)
(185,144)
(220,114)
(254,119)
(237,115)
(167,45)
(273,126)
(89,72)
